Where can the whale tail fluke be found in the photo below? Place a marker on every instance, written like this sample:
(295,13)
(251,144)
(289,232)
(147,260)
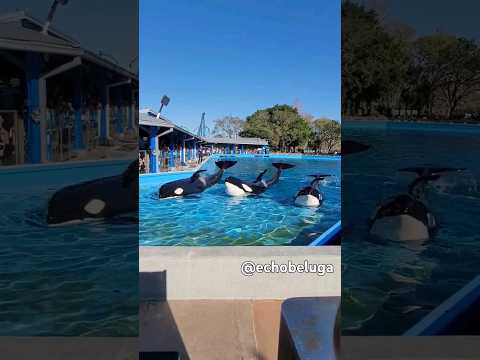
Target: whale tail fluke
(282,166)
(225,164)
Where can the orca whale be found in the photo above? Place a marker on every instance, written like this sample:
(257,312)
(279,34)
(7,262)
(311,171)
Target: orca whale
(237,187)
(99,198)
(194,184)
(310,196)
(406,217)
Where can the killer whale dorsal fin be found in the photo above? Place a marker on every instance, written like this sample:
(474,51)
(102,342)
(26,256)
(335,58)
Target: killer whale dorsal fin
(421,179)
(318,177)
(131,173)
(260,176)
(196,175)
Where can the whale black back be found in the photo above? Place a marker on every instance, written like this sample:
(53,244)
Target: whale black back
(119,194)
(196,183)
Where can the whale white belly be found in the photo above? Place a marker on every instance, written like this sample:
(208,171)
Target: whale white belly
(307,200)
(400,228)
(233,190)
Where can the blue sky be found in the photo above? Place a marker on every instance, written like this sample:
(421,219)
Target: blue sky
(232,57)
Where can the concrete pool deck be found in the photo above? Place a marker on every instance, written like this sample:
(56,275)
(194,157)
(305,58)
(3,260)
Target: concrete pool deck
(196,301)
(189,273)
(212,329)
(239,329)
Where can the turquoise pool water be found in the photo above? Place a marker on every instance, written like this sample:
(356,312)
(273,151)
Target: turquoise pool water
(70,280)
(389,286)
(214,218)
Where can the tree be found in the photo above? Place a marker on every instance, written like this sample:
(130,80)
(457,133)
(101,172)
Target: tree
(462,76)
(228,126)
(282,125)
(385,67)
(374,62)
(326,134)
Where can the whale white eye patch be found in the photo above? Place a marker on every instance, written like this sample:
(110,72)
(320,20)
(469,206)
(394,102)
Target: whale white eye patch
(247,188)
(178,191)
(94,206)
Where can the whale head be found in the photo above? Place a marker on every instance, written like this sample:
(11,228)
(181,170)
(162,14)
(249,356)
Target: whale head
(235,187)
(71,205)
(172,189)
(307,200)
(308,197)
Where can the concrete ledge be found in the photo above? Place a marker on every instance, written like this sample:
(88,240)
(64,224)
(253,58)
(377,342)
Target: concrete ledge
(63,165)
(189,273)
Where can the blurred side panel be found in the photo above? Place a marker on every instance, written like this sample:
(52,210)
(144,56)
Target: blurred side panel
(411,171)
(68,174)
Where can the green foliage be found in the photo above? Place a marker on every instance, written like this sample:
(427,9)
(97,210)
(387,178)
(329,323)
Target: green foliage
(326,136)
(373,61)
(282,125)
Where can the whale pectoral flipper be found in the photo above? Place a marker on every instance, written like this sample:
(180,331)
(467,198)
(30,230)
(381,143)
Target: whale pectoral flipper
(196,175)
(260,176)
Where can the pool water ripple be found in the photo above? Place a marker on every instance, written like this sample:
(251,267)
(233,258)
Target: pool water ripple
(69,280)
(214,218)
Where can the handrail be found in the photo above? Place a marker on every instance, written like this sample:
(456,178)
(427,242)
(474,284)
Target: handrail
(328,235)
(443,315)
